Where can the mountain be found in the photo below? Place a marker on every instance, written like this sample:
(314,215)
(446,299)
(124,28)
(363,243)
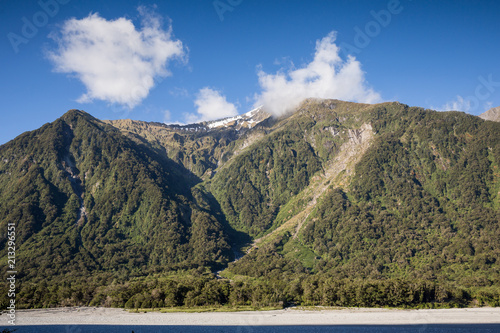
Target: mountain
(199,147)
(86,200)
(246,120)
(410,193)
(492,114)
(337,203)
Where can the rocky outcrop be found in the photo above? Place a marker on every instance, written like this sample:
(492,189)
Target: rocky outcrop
(492,114)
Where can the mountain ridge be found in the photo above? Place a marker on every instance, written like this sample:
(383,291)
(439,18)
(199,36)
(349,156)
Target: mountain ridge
(318,194)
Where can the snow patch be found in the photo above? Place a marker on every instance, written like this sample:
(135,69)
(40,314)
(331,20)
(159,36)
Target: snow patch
(247,118)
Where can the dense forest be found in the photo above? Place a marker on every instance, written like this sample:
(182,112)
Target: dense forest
(84,198)
(337,204)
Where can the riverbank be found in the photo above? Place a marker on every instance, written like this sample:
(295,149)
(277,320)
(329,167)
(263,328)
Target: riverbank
(290,316)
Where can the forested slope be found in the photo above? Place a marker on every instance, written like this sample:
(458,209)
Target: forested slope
(337,203)
(85,199)
(421,205)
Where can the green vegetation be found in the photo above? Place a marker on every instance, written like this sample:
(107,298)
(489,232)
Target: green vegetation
(85,199)
(139,215)
(253,187)
(421,208)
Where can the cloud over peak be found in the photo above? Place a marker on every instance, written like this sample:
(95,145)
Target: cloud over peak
(326,76)
(211,105)
(459,104)
(116,62)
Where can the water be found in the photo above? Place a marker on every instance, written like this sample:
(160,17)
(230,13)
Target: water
(434,328)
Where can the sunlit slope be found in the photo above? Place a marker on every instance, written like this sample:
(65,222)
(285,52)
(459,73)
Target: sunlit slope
(415,196)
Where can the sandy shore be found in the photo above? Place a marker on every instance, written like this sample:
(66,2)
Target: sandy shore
(357,316)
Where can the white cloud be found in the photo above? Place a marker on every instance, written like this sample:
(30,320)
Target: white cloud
(116,62)
(211,105)
(179,92)
(468,104)
(459,104)
(488,105)
(166,116)
(326,76)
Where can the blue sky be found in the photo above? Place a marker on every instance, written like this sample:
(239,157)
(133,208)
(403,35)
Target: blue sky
(184,61)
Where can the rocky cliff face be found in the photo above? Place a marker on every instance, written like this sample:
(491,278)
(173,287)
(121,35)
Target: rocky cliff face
(492,114)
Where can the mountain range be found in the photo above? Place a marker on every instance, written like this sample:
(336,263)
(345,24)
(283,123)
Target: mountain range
(337,203)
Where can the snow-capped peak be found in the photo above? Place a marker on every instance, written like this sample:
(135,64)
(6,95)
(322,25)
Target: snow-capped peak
(246,120)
